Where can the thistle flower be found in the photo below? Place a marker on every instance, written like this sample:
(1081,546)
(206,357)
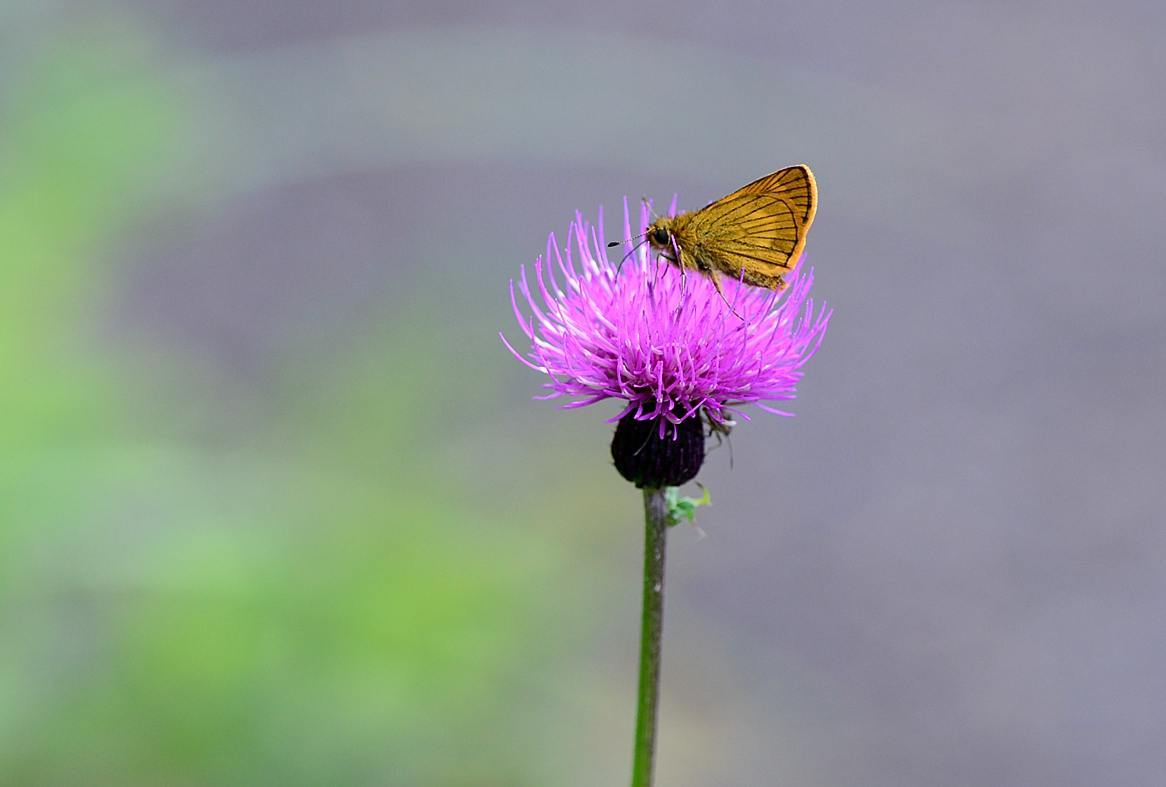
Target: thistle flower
(661,340)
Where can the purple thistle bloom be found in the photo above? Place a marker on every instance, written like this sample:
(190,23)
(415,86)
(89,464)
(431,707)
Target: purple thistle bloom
(665,342)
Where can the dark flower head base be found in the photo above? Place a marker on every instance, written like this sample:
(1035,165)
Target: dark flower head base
(650,461)
(662,341)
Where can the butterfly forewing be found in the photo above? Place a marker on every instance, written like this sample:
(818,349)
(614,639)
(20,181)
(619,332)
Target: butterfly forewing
(795,184)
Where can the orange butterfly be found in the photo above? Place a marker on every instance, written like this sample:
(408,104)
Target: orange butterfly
(756,234)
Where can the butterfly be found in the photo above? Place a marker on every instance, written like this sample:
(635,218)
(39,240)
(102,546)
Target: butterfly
(756,234)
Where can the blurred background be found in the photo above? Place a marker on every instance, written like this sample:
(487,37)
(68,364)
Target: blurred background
(276,506)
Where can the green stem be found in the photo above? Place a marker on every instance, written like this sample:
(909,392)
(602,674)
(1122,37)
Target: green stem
(651,628)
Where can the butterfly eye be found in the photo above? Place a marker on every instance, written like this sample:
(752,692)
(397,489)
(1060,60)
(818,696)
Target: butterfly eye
(660,236)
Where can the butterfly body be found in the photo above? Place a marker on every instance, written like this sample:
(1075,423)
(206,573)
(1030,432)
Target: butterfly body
(756,234)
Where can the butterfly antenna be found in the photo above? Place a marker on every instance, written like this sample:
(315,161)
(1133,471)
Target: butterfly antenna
(614,243)
(631,251)
(648,204)
(642,237)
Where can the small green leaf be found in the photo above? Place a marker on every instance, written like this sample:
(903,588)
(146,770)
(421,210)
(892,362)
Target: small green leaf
(684,508)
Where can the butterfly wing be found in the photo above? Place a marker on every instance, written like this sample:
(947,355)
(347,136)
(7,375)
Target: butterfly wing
(756,233)
(796,184)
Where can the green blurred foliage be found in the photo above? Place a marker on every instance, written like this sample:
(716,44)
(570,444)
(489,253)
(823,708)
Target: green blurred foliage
(82,136)
(325,600)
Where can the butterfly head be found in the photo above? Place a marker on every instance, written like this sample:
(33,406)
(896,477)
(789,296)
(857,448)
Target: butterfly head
(659,234)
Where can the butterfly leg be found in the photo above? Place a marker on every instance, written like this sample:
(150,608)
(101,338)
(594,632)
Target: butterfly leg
(678,259)
(717,283)
(716,277)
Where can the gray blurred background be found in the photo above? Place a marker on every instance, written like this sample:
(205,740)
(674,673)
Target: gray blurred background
(276,507)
